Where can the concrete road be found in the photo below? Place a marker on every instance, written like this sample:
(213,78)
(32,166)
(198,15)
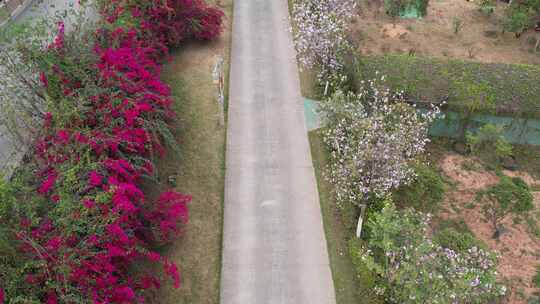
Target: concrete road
(274,248)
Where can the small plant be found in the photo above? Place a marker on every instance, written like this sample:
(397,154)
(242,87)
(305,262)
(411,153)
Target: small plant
(458,241)
(532,226)
(471,52)
(487,7)
(471,97)
(536,278)
(488,142)
(394,8)
(471,165)
(457,24)
(422,6)
(518,18)
(509,196)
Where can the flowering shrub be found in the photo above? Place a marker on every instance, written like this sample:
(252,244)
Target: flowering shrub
(320,36)
(373,136)
(76,218)
(414,269)
(163,24)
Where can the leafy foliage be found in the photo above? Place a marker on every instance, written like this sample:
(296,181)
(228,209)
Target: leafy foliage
(536,278)
(366,278)
(459,241)
(488,143)
(487,6)
(415,269)
(425,192)
(509,196)
(395,8)
(518,18)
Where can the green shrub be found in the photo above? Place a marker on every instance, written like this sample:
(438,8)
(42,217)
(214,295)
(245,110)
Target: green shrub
(487,6)
(457,24)
(422,6)
(533,4)
(456,224)
(509,196)
(457,240)
(518,18)
(395,8)
(424,193)
(413,269)
(466,86)
(367,279)
(536,278)
(488,143)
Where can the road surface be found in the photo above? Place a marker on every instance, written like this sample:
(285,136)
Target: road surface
(274,248)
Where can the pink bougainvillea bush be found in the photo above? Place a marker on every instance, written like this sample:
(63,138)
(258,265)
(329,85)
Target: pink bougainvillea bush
(75,221)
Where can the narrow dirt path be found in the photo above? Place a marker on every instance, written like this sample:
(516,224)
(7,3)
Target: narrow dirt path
(274,248)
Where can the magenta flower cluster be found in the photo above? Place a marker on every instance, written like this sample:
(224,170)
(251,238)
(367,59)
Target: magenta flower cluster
(98,223)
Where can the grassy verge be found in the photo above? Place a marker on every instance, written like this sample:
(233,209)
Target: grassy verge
(352,283)
(308,81)
(198,169)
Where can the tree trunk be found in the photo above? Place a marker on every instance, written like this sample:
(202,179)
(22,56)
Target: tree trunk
(360,221)
(497,232)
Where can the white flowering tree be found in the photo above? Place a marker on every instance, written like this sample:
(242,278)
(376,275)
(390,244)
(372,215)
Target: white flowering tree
(320,33)
(373,136)
(415,269)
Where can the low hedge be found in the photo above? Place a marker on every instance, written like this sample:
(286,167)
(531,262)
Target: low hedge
(511,89)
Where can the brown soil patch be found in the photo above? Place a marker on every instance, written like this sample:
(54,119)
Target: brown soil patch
(480,37)
(390,31)
(519,249)
(467,180)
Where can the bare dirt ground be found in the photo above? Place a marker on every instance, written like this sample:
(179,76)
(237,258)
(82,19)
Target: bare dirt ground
(519,248)
(480,37)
